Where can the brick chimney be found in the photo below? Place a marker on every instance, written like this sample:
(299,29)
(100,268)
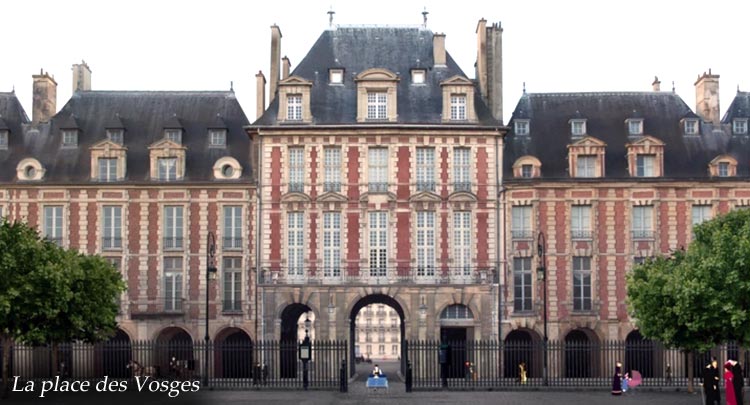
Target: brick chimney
(44,98)
(275,60)
(286,65)
(707,97)
(260,96)
(438,49)
(81,77)
(656,85)
(489,66)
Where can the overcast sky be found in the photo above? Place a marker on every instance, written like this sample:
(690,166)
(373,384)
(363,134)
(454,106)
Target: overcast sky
(553,46)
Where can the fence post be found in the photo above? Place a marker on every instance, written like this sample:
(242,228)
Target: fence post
(408,376)
(342,377)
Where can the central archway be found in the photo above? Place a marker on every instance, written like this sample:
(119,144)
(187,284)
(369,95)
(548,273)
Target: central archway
(363,302)
(289,338)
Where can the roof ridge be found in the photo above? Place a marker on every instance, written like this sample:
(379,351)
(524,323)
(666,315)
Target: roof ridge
(600,93)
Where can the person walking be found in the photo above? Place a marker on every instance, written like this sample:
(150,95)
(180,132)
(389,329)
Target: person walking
(729,384)
(617,380)
(711,383)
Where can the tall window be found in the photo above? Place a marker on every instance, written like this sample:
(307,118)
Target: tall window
(294,107)
(112,232)
(107,169)
(425,169)
(425,243)
(332,244)
(378,242)
(217,138)
(581,283)
(232,227)
(174,135)
(527,171)
(458,107)
(522,284)
(580,226)
(377,105)
(377,161)
(521,222)
(585,165)
(3,140)
(461,165)
(723,169)
(296,169)
(296,243)
(332,169)
(173,227)
(53,223)
(462,242)
(701,213)
(173,284)
(643,222)
(394,350)
(167,168)
(232,284)
(644,165)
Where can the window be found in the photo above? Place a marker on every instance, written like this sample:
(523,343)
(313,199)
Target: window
(644,165)
(107,169)
(115,135)
(527,171)
(723,169)
(581,283)
(578,127)
(458,107)
(332,169)
(521,127)
(701,213)
(739,126)
(643,222)
(462,243)
(585,166)
(581,222)
(232,284)
(461,165)
(296,169)
(294,107)
(1,212)
(369,348)
(167,169)
(53,223)
(173,227)
(394,350)
(232,227)
(381,338)
(377,161)
(522,284)
(173,284)
(378,242)
(425,243)
(521,222)
(377,105)
(425,169)
(3,140)
(70,139)
(457,311)
(417,76)
(332,244)
(691,127)
(174,135)
(635,126)
(336,76)
(296,244)
(217,138)
(112,232)
(381,349)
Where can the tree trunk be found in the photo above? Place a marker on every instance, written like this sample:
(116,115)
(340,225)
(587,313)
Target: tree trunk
(690,371)
(54,359)
(6,365)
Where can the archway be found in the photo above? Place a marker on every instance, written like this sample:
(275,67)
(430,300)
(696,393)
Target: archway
(523,346)
(174,352)
(115,354)
(639,354)
(457,330)
(233,354)
(289,338)
(369,300)
(580,354)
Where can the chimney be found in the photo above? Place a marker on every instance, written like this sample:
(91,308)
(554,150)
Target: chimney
(260,96)
(489,67)
(481,65)
(275,60)
(707,97)
(438,49)
(656,85)
(45,97)
(81,77)
(285,67)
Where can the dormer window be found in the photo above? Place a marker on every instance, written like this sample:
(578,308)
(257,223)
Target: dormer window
(646,157)
(167,167)
(217,138)
(458,107)
(294,107)
(3,140)
(336,76)
(739,126)
(377,105)
(644,165)
(527,167)
(521,127)
(691,127)
(527,171)
(107,169)
(723,166)
(723,169)
(116,136)
(586,166)
(578,127)
(635,126)
(69,138)
(417,76)
(174,135)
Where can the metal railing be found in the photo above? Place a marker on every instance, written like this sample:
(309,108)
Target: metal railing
(111,243)
(159,306)
(643,234)
(362,275)
(173,243)
(425,186)
(232,243)
(58,240)
(462,186)
(522,234)
(580,234)
(231,306)
(374,187)
(332,186)
(296,187)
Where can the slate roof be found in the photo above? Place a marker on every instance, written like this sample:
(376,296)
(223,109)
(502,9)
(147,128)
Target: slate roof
(740,107)
(144,115)
(684,156)
(356,49)
(13,117)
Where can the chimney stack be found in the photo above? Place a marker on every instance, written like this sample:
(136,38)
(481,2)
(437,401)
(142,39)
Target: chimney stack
(285,67)
(275,60)
(44,97)
(489,66)
(260,96)
(656,85)
(707,97)
(438,49)
(81,77)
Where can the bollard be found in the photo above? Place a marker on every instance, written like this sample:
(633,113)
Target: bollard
(342,377)
(408,376)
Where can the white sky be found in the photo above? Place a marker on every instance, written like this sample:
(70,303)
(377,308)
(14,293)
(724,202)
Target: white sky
(551,45)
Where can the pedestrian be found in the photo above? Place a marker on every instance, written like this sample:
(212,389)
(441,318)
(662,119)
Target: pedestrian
(729,384)
(738,381)
(617,380)
(522,373)
(711,383)
(625,383)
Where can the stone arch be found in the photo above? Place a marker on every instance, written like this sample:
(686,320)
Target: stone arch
(114,355)
(523,345)
(395,296)
(581,353)
(174,351)
(288,341)
(639,354)
(360,302)
(233,353)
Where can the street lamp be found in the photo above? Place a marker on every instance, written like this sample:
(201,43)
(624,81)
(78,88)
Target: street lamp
(305,353)
(541,273)
(210,268)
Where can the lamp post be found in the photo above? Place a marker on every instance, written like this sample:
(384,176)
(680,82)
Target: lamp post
(210,268)
(541,273)
(305,353)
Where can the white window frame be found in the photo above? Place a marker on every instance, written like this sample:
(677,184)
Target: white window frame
(3,140)
(643,222)
(582,292)
(425,169)
(232,286)
(232,232)
(521,222)
(722,169)
(53,223)
(111,227)
(294,107)
(377,105)
(691,127)
(458,107)
(462,243)
(521,127)
(69,138)
(462,169)
(527,171)
(336,76)
(739,126)
(173,227)
(217,138)
(332,244)
(635,126)
(167,168)
(116,135)
(701,213)
(425,243)
(586,166)
(332,169)
(377,169)
(296,169)
(107,169)
(522,285)
(378,243)
(418,76)
(578,127)
(580,221)
(174,135)
(295,244)
(173,279)
(645,165)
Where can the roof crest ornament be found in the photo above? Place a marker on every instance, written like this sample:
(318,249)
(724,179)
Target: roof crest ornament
(424,17)
(330,16)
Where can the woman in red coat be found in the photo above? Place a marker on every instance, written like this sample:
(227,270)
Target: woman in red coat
(729,384)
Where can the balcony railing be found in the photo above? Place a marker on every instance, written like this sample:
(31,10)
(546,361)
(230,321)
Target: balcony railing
(55,239)
(173,243)
(462,186)
(232,243)
(363,275)
(111,243)
(377,187)
(581,234)
(296,187)
(332,186)
(159,306)
(231,306)
(643,234)
(521,234)
(425,186)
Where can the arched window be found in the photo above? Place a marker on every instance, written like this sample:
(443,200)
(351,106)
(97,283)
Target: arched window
(457,311)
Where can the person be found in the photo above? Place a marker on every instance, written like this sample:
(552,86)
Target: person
(522,372)
(729,383)
(617,380)
(738,381)
(711,383)
(376,371)
(625,383)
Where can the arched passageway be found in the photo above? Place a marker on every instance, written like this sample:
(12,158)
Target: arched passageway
(456,330)
(369,300)
(175,356)
(581,356)
(639,354)
(289,338)
(523,346)
(233,355)
(115,355)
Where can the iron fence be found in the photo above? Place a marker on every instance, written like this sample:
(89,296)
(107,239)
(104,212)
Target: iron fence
(231,364)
